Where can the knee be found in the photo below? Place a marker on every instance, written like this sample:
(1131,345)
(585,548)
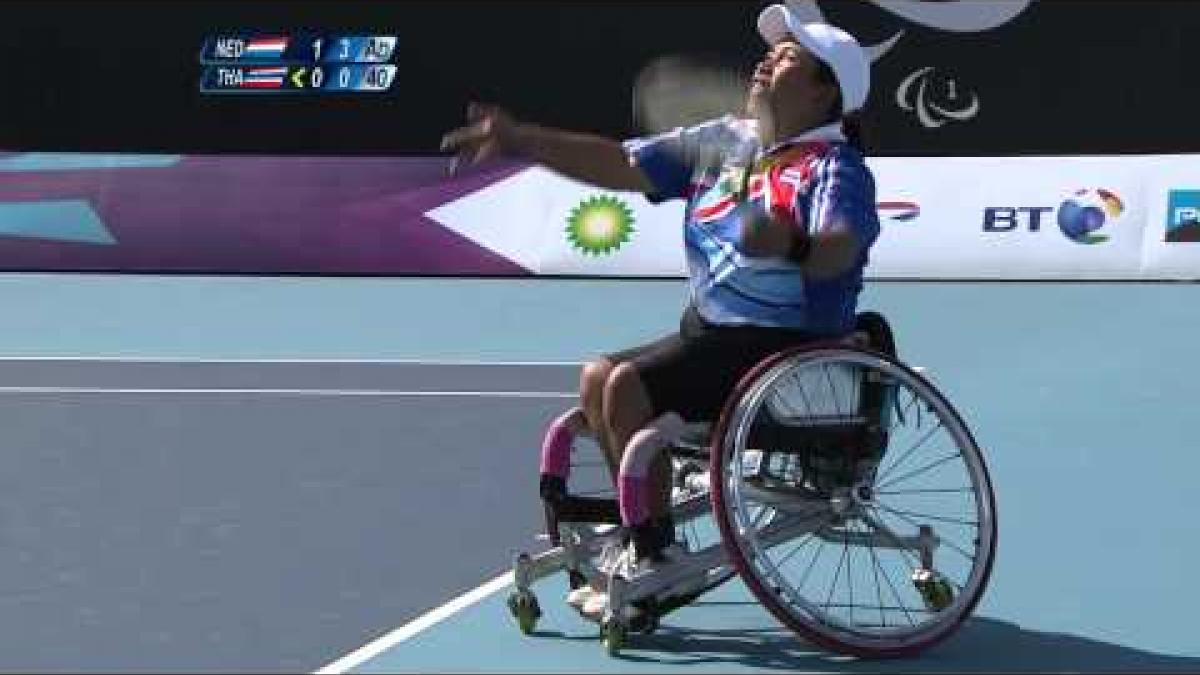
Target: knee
(623,388)
(623,381)
(592,380)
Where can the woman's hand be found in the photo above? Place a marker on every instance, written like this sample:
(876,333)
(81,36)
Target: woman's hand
(491,132)
(770,236)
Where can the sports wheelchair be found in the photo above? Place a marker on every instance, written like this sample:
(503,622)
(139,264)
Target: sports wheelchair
(838,483)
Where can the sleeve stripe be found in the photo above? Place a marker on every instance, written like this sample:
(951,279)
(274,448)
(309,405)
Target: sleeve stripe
(824,199)
(842,187)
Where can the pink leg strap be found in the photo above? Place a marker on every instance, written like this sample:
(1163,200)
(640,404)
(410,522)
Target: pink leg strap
(633,494)
(556,447)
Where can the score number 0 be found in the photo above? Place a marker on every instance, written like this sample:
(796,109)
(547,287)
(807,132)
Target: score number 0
(376,77)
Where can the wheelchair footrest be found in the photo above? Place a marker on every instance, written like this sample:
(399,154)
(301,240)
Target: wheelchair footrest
(571,509)
(563,507)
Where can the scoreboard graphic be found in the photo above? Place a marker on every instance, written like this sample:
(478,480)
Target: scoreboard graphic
(246,62)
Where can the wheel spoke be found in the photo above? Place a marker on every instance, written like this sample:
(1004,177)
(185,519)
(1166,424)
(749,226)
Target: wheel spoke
(943,519)
(897,545)
(813,562)
(804,396)
(910,451)
(859,605)
(895,594)
(901,412)
(808,537)
(925,491)
(917,525)
(838,573)
(850,575)
(875,573)
(917,472)
(832,387)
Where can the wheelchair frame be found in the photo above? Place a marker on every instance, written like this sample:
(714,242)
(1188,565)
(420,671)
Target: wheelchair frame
(577,543)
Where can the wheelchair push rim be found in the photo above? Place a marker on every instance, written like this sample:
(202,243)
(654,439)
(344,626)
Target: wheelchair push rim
(895,616)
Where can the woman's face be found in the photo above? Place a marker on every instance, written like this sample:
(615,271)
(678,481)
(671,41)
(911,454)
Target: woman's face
(786,79)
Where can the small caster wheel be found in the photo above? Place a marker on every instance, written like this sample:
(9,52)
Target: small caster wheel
(935,591)
(650,625)
(525,609)
(648,618)
(613,634)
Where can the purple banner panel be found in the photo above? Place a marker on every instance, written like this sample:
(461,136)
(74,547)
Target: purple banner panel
(238,215)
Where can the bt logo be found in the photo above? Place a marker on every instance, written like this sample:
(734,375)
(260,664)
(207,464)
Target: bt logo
(1080,217)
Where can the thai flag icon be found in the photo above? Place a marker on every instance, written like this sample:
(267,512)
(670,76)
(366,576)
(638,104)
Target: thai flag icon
(263,78)
(266,47)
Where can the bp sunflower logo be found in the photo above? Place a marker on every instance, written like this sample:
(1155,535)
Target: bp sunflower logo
(599,225)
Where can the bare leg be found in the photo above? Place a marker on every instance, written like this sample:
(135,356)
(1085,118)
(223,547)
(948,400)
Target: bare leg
(627,409)
(627,406)
(592,381)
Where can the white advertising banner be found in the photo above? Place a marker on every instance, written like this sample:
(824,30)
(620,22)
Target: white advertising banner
(953,218)
(1010,218)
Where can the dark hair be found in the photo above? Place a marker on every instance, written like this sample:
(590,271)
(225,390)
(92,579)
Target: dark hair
(852,125)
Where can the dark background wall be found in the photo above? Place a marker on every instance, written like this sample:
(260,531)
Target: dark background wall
(1066,76)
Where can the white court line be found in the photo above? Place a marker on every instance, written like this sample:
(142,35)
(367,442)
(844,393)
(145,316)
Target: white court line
(287,392)
(202,359)
(382,644)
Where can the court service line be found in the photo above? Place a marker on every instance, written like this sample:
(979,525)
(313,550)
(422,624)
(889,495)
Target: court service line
(236,360)
(289,392)
(385,642)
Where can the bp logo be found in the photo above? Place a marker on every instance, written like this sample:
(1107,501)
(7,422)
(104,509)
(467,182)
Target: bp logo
(600,225)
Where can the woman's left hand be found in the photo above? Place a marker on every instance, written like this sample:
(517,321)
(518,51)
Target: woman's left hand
(769,236)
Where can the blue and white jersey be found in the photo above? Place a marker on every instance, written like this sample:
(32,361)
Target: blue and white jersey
(721,170)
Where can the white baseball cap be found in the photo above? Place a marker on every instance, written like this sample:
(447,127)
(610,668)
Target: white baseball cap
(837,48)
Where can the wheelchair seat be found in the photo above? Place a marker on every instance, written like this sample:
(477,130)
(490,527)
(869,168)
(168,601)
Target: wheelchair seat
(872,332)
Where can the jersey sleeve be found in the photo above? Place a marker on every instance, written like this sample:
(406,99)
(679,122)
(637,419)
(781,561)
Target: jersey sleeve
(669,159)
(843,198)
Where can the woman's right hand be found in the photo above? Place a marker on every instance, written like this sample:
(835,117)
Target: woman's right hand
(490,132)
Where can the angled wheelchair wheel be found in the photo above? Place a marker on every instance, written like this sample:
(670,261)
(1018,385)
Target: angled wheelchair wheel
(853,501)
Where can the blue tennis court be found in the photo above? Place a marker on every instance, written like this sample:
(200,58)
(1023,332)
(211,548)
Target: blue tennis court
(261,474)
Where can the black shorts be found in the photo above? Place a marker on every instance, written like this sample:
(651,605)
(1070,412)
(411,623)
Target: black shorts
(693,372)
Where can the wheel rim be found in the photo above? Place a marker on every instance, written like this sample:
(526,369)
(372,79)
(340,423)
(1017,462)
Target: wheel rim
(885,613)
